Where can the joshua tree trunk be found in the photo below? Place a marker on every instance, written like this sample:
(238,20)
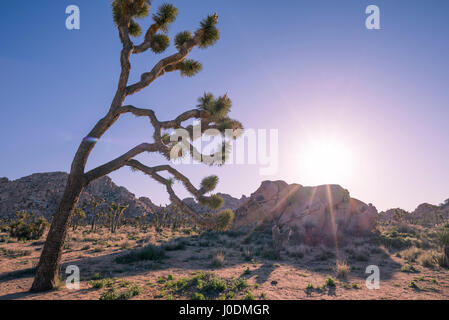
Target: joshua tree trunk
(47,269)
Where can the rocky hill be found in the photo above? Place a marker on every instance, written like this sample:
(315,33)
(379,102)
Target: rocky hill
(40,193)
(311,214)
(425,214)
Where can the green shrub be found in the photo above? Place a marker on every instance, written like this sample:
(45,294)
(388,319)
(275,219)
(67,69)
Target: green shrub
(249,296)
(28,226)
(110,294)
(330,282)
(198,296)
(408,269)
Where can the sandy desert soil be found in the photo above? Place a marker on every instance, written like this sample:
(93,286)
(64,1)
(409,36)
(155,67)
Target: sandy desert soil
(241,266)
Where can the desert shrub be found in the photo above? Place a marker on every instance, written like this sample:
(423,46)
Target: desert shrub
(150,252)
(396,240)
(204,286)
(296,252)
(247,254)
(342,269)
(412,284)
(407,268)
(268,252)
(125,245)
(212,284)
(15,253)
(411,254)
(134,291)
(239,284)
(427,259)
(28,226)
(177,245)
(249,296)
(324,255)
(110,294)
(114,294)
(101,283)
(198,296)
(223,220)
(330,282)
(218,259)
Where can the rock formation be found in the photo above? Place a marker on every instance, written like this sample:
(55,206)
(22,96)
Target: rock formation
(314,214)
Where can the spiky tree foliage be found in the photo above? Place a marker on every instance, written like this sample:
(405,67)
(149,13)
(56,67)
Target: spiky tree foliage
(212,114)
(224,220)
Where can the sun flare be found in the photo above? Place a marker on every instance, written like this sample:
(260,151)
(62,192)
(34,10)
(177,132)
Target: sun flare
(326,162)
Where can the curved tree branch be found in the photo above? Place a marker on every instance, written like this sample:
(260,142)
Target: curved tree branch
(153,172)
(159,69)
(119,162)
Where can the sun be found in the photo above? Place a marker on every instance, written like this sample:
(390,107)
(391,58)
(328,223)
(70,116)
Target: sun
(326,161)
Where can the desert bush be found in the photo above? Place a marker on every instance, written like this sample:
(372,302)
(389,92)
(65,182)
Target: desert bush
(324,254)
(428,259)
(150,252)
(114,294)
(407,268)
(394,239)
(101,283)
(15,253)
(330,282)
(28,226)
(176,245)
(342,269)
(249,296)
(247,254)
(411,254)
(268,252)
(296,252)
(198,296)
(218,259)
(204,286)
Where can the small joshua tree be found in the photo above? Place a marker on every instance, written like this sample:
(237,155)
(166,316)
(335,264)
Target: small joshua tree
(78,217)
(93,204)
(115,216)
(211,112)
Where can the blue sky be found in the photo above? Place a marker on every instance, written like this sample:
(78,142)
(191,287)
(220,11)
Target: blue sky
(307,68)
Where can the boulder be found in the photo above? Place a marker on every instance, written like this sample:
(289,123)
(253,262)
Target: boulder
(324,213)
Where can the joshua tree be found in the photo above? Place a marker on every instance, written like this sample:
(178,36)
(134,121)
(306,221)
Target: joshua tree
(115,216)
(93,204)
(212,113)
(78,217)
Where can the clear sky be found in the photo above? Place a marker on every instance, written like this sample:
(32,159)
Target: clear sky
(307,68)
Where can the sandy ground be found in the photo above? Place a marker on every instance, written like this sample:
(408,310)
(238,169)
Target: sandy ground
(285,278)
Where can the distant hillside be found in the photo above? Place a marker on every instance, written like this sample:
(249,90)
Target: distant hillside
(425,213)
(40,193)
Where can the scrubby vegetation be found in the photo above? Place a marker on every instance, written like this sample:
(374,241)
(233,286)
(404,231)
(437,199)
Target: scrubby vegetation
(27,226)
